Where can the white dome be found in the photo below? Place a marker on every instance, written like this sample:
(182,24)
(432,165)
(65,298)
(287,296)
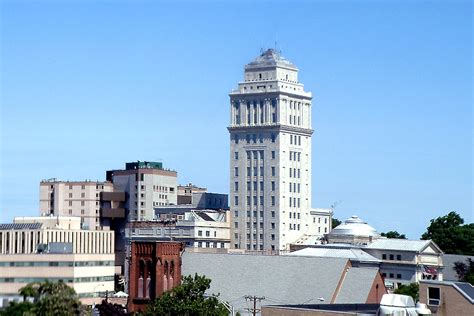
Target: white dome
(354,226)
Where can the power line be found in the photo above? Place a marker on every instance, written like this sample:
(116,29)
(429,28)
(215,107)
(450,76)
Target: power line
(254,299)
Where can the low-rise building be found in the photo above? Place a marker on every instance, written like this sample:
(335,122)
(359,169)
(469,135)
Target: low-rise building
(406,261)
(36,249)
(446,298)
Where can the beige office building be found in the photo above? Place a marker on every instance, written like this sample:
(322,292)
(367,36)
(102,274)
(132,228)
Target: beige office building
(36,249)
(147,185)
(73,198)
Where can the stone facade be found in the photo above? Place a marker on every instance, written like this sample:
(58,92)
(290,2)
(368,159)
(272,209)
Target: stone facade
(270,148)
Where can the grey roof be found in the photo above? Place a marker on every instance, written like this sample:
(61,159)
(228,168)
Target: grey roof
(356,285)
(353,254)
(398,244)
(354,226)
(448,261)
(270,59)
(466,289)
(18,226)
(281,279)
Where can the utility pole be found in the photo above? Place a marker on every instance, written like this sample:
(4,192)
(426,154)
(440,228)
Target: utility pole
(254,299)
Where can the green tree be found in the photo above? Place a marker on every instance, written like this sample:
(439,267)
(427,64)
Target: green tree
(393,234)
(18,309)
(465,272)
(411,289)
(188,299)
(335,222)
(449,233)
(48,299)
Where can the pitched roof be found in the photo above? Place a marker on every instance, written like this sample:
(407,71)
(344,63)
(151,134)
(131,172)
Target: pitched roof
(281,279)
(399,244)
(448,261)
(18,226)
(353,254)
(356,285)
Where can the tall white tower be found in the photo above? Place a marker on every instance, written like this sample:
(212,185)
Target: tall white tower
(270,163)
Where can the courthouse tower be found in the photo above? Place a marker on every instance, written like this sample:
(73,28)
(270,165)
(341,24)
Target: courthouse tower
(270,163)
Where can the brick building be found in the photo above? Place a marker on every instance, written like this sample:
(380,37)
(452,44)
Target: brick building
(155,267)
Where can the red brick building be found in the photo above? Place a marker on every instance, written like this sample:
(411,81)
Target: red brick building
(155,267)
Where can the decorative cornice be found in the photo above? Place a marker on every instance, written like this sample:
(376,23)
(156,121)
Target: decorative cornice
(277,127)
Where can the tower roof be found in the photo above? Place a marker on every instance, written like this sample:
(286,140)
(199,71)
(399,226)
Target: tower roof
(270,59)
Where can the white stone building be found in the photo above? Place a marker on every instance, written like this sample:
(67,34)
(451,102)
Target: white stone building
(270,164)
(147,186)
(36,249)
(73,198)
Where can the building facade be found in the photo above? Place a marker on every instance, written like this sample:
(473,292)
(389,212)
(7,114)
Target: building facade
(36,249)
(270,155)
(73,198)
(155,267)
(195,229)
(445,298)
(147,185)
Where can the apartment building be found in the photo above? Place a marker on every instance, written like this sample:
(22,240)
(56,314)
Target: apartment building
(36,249)
(270,156)
(147,185)
(73,198)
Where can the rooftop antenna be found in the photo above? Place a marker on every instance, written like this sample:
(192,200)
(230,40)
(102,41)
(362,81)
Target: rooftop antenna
(333,206)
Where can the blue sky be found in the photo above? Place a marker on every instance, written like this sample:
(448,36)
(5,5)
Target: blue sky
(89,85)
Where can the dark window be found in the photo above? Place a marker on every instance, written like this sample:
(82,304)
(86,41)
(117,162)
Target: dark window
(391,257)
(399,276)
(399,257)
(391,275)
(384,256)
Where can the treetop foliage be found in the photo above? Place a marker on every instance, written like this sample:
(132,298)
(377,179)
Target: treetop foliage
(449,233)
(188,299)
(48,298)
(393,234)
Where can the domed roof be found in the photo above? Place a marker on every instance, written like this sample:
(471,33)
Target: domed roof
(354,226)
(270,58)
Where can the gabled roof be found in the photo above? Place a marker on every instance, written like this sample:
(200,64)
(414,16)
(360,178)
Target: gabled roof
(356,285)
(401,244)
(353,254)
(281,279)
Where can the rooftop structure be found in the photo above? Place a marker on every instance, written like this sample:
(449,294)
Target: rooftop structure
(356,255)
(353,231)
